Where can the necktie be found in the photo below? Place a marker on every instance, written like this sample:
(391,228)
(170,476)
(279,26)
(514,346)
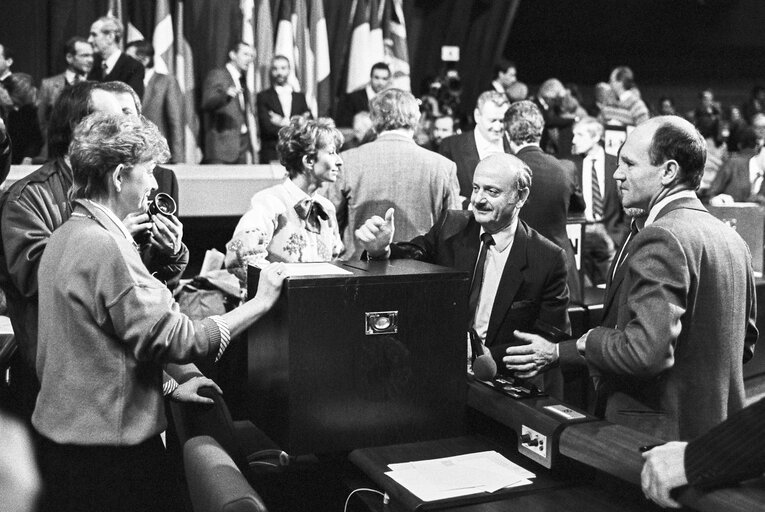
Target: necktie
(597,198)
(245,92)
(625,250)
(311,212)
(475,285)
(103,69)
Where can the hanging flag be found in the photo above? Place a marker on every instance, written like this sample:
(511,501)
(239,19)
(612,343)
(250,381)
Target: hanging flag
(264,30)
(115,9)
(320,49)
(376,49)
(248,36)
(304,60)
(285,40)
(396,49)
(162,40)
(359,61)
(184,74)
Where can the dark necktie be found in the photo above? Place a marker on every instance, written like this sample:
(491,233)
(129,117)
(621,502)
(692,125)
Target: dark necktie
(597,198)
(311,212)
(625,250)
(475,285)
(245,92)
(103,69)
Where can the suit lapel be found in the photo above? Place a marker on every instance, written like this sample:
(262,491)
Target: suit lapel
(466,246)
(509,283)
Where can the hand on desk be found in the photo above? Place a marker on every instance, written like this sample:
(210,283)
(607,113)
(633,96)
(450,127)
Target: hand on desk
(533,357)
(664,469)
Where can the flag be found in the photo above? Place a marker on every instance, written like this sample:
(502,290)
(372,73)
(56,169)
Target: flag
(115,9)
(396,50)
(248,36)
(376,44)
(359,62)
(320,50)
(184,74)
(304,61)
(264,30)
(285,40)
(162,40)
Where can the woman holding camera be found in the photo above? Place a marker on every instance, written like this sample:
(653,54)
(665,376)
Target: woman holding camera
(290,221)
(107,327)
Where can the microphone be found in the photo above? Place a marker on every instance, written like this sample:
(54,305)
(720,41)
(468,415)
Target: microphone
(484,366)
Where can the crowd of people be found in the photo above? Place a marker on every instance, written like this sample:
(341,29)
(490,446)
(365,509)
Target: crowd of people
(87,269)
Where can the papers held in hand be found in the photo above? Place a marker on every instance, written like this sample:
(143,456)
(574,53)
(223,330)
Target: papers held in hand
(463,475)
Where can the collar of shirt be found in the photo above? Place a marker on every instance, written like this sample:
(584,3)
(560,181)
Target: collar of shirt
(754,170)
(504,239)
(658,207)
(235,73)
(497,86)
(118,222)
(148,73)
(5,75)
(294,192)
(484,147)
(283,90)
(69,76)
(111,61)
(370,92)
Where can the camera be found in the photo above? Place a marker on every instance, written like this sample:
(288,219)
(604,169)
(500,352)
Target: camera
(162,203)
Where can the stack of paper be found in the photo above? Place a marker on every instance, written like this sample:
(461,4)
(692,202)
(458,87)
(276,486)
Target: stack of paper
(462,475)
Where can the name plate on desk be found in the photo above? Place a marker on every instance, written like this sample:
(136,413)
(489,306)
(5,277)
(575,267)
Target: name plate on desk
(372,355)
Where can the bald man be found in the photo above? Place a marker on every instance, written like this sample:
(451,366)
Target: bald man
(524,274)
(679,312)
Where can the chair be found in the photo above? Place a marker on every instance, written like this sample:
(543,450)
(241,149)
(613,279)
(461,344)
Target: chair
(214,481)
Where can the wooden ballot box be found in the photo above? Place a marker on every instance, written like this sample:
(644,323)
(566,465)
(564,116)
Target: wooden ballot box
(373,356)
(748,219)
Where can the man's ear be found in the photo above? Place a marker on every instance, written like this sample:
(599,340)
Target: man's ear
(671,172)
(117,177)
(523,195)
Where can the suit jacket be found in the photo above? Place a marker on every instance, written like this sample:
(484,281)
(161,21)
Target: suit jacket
(126,69)
(350,105)
(731,452)
(546,209)
(5,158)
(678,322)
(162,105)
(733,177)
(613,213)
(532,286)
(391,171)
(267,101)
(223,118)
(50,88)
(552,141)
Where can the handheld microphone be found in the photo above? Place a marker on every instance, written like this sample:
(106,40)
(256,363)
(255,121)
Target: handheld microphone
(484,366)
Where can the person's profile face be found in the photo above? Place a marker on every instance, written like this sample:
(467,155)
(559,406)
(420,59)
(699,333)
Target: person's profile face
(583,140)
(242,57)
(99,39)
(137,183)
(637,178)
(327,164)
(508,77)
(81,61)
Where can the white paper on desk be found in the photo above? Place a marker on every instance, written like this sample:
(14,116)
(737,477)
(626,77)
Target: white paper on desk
(309,269)
(459,476)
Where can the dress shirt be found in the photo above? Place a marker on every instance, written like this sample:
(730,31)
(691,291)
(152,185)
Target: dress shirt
(148,73)
(755,175)
(236,75)
(486,148)
(284,92)
(685,194)
(70,77)
(598,155)
(370,92)
(5,75)
(109,62)
(496,258)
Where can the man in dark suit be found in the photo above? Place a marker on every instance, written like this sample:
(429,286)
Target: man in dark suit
(731,452)
(111,63)
(734,181)
(79,62)
(556,136)
(468,148)
(547,207)
(679,312)
(520,276)
(228,111)
(162,99)
(358,100)
(5,152)
(593,172)
(275,107)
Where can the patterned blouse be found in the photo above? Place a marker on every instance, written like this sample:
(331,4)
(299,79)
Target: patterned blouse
(282,225)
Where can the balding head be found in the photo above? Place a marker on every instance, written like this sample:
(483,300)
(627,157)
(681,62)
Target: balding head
(501,185)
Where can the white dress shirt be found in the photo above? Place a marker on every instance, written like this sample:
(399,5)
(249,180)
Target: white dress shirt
(284,92)
(486,148)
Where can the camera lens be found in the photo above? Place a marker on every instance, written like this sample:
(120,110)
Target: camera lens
(162,203)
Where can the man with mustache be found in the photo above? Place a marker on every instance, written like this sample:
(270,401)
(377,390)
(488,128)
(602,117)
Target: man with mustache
(680,308)
(519,277)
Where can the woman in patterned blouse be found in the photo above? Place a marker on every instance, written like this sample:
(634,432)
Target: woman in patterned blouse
(291,222)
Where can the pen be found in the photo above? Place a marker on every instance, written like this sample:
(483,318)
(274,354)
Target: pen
(647,447)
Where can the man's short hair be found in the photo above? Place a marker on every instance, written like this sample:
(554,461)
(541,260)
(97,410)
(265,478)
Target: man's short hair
(394,109)
(503,65)
(112,24)
(524,122)
(624,75)
(379,65)
(238,44)
(495,97)
(518,91)
(551,88)
(143,48)
(747,138)
(101,142)
(677,139)
(280,57)
(72,105)
(592,125)
(70,47)
(116,87)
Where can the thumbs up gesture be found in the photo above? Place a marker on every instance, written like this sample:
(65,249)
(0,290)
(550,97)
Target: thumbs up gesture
(376,234)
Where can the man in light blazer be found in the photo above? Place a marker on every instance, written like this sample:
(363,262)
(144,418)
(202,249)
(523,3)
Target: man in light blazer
(680,308)
(79,62)
(392,171)
(227,110)
(275,107)
(162,99)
